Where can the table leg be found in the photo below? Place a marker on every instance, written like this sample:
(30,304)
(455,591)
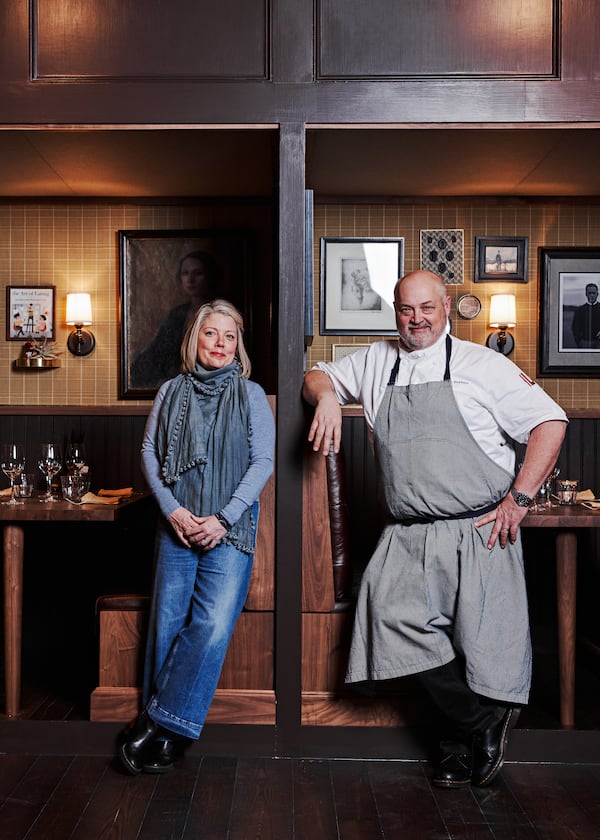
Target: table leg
(566,595)
(13,615)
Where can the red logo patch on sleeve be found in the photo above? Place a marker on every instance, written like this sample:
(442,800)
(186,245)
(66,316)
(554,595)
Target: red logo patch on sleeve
(526,379)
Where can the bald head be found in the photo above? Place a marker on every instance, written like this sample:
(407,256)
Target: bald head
(422,309)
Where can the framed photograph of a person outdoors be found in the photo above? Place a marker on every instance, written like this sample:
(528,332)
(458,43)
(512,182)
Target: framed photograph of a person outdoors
(569,341)
(357,285)
(165,276)
(499,258)
(30,312)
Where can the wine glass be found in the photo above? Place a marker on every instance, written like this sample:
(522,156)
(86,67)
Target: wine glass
(75,458)
(13,464)
(49,463)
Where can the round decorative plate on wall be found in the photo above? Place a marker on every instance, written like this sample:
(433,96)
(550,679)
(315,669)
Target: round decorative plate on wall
(468,307)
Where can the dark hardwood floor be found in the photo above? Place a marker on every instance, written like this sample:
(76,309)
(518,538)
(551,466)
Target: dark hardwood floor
(227,798)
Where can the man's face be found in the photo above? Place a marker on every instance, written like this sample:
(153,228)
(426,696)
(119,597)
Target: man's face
(422,309)
(591,293)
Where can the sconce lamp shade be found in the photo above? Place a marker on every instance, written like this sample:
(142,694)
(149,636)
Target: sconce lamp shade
(503,314)
(503,311)
(79,309)
(79,314)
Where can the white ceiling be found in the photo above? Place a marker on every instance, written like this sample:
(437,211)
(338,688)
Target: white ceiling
(349,162)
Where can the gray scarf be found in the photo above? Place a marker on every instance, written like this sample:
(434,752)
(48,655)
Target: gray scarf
(203,444)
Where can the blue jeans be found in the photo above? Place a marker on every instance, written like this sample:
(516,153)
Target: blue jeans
(197,599)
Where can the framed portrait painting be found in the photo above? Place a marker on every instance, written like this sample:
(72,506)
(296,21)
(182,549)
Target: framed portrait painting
(501,259)
(569,340)
(357,285)
(165,276)
(30,313)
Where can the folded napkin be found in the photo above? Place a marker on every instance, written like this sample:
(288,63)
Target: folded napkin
(93,499)
(6,491)
(124,491)
(585,496)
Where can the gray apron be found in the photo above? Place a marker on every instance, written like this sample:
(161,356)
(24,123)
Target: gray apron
(432,587)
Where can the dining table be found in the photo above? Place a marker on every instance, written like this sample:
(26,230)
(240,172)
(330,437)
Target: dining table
(14,519)
(565,521)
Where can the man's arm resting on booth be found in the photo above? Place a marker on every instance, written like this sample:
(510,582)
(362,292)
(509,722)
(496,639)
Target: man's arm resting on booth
(326,427)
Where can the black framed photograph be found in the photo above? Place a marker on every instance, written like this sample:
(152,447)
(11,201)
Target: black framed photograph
(358,276)
(30,313)
(501,258)
(569,341)
(165,276)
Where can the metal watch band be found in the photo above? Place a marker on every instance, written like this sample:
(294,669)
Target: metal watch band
(521,499)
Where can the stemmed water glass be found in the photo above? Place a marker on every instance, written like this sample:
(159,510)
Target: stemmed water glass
(13,464)
(75,458)
(49,463)
(543,500)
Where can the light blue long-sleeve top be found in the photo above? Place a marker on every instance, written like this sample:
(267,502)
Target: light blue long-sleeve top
(262,448)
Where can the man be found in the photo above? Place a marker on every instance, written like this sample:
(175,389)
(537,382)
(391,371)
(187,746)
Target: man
(586,320)
(444,594)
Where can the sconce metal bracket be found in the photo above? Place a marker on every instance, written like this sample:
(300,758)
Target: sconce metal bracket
(501,342)
(81,342)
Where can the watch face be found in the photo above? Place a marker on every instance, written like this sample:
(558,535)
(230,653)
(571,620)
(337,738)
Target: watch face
(468,307)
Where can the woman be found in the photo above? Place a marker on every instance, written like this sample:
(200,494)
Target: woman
(207,452)
(199,277)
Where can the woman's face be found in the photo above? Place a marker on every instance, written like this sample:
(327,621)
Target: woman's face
(195,280)
(217,341)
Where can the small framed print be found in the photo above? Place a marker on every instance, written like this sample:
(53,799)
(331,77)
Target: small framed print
(339,351)
(442,252)
(500,258)
(30,312)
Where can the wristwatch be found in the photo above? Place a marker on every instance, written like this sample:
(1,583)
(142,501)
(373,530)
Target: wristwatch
(521,499)
(222,521)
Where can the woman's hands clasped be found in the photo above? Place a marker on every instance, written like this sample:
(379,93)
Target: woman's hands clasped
(196,531)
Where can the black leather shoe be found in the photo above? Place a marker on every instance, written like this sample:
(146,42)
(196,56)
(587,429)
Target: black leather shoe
(454,770)
(135,740)
(159,756)
(489,748)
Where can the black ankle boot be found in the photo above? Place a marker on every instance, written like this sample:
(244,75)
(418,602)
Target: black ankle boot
(135,741)
(159,756)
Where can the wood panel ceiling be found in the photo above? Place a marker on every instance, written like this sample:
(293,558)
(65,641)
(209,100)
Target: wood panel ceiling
(384,162)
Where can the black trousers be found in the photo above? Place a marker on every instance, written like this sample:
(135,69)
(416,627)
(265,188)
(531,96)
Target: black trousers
(464,711)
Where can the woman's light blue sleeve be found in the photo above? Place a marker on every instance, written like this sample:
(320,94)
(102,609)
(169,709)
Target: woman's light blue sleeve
(150,464)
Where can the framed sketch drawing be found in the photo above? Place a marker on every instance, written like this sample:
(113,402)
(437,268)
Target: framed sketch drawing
(500,258)
(30,312)
(569,341)
(165,276)
(357,285)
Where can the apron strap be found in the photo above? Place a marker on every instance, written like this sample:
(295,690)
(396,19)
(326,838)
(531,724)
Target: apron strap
(427,520)
(448,354)
(394,371)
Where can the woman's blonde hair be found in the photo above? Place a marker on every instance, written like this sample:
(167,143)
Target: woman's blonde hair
(189,346)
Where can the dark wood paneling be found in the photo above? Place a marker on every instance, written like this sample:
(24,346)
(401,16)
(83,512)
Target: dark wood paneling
(126,39)
(388,39)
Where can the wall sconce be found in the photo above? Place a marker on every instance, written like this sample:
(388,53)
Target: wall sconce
(79,314)
(503,314)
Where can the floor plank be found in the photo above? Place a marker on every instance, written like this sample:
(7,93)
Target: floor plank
(259,798)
